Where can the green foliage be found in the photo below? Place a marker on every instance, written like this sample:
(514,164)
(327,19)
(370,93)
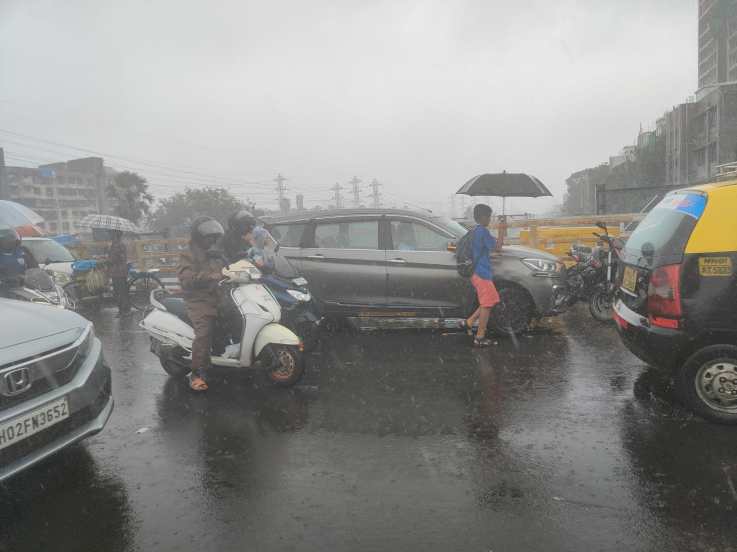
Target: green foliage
(178,211)
(129,196)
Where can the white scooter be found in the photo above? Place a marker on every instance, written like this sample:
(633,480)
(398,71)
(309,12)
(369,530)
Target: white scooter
(264,343)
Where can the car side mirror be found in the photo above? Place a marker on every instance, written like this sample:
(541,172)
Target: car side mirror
(648,251)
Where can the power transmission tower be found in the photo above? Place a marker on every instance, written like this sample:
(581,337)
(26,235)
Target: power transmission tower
(281,188)
(375,194)
(355,183)
(337,189)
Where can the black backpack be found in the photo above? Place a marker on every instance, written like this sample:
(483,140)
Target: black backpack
(465,262)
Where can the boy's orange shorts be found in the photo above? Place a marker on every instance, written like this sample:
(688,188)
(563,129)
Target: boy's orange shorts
(486,291)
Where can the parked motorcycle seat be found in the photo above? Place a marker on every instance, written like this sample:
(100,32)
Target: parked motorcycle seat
(176,306)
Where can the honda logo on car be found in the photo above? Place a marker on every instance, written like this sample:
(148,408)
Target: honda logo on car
(17,381)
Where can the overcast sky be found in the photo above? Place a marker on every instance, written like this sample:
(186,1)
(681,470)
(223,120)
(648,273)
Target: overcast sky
(419,94)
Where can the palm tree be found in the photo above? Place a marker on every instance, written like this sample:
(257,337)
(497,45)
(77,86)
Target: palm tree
(130,196)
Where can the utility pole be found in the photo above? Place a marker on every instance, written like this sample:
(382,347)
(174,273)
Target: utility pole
(355,183)
(3,188)
(375,194)
(281,188)
(337,195)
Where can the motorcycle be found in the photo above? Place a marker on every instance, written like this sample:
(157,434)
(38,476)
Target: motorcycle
(37,286)
(602,298)
(252,338)
(300,312)
(591,279)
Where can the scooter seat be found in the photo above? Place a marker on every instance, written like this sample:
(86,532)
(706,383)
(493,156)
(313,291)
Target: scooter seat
(176,306)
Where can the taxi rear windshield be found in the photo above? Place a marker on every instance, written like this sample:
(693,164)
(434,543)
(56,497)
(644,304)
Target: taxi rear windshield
(660,239)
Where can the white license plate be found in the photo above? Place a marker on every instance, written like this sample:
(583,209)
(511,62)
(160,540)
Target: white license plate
(24,426)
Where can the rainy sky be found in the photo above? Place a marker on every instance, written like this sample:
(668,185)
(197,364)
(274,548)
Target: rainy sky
(419,94)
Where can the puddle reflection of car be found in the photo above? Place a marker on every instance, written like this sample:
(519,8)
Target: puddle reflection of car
(54,385)
(394,268)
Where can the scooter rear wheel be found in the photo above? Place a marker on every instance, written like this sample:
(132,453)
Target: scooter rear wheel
(283,364)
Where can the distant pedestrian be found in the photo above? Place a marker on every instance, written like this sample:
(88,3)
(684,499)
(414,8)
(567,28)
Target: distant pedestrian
(118,271)
(483,244)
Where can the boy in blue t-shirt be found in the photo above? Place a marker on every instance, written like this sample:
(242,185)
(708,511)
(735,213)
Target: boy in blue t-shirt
(483,245)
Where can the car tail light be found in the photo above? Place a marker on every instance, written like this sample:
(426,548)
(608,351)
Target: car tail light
(664,296)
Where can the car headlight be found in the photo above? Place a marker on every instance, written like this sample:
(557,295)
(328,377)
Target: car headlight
(300,296)
(542,265)
(61,278)
(88,341)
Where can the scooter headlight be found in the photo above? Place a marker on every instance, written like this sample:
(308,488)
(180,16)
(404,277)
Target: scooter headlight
(300,296)
(301,282)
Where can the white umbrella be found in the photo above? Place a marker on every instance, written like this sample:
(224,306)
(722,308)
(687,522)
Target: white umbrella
(109,222)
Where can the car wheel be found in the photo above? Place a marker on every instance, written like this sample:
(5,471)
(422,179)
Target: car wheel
(707,383)
(514,314)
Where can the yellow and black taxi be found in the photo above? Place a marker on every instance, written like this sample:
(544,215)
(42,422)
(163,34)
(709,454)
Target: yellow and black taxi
(677,302)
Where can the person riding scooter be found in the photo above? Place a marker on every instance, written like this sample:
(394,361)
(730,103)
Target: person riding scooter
(237,239)
(13,259)
(199,272)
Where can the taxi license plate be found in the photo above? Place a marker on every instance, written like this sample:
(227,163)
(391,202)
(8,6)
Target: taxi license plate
(629,279)
(22,427)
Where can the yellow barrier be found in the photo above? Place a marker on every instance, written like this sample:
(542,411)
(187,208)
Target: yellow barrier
(556,235)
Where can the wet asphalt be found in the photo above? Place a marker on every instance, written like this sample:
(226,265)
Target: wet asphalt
(405,441)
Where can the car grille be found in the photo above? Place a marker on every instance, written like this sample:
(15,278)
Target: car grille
(43,438)
(46,371)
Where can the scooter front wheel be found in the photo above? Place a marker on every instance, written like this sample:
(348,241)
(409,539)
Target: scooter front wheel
(283,364)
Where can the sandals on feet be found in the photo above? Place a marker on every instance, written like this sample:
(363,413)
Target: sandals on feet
(197,384)
(465,327)
(482,343)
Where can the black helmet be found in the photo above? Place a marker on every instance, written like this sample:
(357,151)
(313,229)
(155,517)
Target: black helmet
(242,221)
(9,239)
(206,231)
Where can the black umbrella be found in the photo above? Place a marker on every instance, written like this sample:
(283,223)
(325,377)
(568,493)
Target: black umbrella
(504,185)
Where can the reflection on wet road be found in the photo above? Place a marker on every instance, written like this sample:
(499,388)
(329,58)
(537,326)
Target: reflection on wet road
(392,442)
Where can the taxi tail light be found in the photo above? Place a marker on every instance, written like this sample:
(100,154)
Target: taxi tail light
(664,296)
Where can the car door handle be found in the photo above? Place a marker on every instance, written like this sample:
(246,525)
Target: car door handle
(397,261)
(316,257)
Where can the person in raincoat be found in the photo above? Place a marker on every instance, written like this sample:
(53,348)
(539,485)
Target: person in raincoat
(237,239)
(12,258)
(199,271)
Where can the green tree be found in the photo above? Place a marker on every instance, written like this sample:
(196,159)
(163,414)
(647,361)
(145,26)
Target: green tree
(178,211)
(130,196)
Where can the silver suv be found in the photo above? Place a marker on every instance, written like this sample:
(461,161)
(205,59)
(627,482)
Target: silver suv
(396,268)
(54,384)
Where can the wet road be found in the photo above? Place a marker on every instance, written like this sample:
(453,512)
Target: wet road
(409,441)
